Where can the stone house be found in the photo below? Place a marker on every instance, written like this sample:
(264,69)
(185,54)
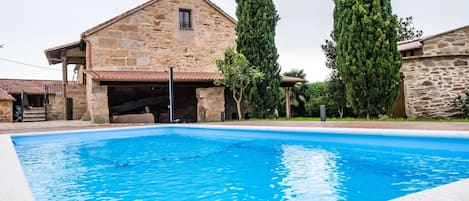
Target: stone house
(435,71)
(123,62)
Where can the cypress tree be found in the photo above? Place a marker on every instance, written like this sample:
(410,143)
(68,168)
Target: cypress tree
(257,20)
(367,54)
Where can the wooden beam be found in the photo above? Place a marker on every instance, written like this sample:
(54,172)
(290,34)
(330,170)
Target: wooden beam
(76,60)
(75,52)
(288,103)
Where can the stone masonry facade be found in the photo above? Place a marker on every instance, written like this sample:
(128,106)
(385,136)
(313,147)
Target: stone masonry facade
(152,40)
(434,80)
(452,43)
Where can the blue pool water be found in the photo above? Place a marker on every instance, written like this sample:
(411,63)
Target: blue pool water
(184,163)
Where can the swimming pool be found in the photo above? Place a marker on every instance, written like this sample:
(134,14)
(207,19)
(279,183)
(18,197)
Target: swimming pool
(199,163)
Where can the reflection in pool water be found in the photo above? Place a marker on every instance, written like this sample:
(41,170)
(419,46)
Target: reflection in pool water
(311,174)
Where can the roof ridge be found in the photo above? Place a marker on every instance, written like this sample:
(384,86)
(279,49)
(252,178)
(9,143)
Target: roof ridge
(443,33)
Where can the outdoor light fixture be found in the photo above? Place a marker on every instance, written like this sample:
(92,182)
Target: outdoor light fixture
(171,94)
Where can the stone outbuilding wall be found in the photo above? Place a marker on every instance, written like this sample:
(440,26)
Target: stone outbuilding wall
(435,79)
(6,110)
(56,106)
(433,83)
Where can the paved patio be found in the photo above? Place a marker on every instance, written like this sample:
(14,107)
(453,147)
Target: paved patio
(451,126)
(28,127)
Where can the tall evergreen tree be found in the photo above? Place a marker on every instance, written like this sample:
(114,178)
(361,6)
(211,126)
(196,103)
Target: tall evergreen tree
(367,54)
(257,20)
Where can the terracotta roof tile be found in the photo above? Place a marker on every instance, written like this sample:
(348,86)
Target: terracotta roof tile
(15,86)
(5,96)
(152,76)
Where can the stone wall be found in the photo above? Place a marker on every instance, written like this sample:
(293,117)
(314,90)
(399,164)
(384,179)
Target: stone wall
(455,42)
(6,111)
(210,103)
(151,40)
(431,85)
(56,108)
(78,93)
(97,97)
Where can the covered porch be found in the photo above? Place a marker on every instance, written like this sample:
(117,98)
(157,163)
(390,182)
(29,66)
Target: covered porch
(143,96)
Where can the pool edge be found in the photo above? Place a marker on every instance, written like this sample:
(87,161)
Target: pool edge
(449,192)
(23,192)
(13,185)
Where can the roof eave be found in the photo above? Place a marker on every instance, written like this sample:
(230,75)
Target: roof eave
(50,51)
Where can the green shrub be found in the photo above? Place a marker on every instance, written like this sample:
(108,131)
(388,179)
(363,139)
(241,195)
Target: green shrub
(462,102)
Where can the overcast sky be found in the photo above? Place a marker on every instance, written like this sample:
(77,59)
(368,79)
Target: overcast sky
(29,27)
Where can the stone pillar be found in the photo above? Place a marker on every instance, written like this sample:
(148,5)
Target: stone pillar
(99,108)
(210,103)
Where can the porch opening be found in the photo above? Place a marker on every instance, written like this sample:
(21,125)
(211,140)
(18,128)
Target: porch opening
(141,103)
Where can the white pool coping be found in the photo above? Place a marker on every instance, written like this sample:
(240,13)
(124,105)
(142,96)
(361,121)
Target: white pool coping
(14,186)
(457,191)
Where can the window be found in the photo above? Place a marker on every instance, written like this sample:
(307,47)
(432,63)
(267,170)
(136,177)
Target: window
(185,19)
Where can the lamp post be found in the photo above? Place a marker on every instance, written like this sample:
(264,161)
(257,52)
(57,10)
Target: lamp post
(171,94)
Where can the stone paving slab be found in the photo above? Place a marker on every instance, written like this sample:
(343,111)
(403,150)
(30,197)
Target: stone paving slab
(45,126)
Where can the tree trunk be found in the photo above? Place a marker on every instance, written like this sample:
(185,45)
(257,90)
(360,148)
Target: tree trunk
(238,107)
(341,112)
(238,103)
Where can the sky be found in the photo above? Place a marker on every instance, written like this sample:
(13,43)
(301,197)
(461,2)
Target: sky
(29,27)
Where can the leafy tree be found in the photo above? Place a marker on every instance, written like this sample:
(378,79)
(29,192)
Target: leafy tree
(367,55)
(238,75)
(299,93)
(462,103)
(406,31)
(298,73)
(257,20)
(336,84)
(319,95)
